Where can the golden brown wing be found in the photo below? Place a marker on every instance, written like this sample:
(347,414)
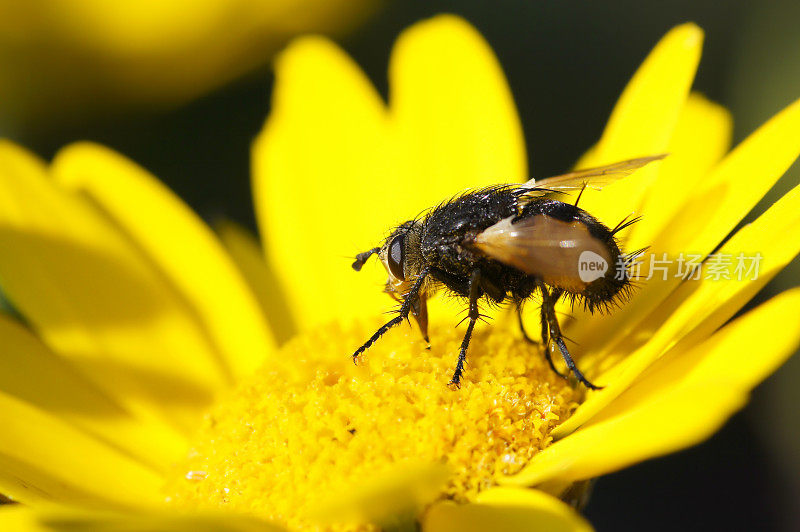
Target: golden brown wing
(595,178)
(562,254)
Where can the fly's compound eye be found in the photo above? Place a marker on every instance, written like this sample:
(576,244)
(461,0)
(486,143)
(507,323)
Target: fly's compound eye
(395,257)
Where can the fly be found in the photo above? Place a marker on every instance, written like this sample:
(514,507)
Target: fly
(506,243)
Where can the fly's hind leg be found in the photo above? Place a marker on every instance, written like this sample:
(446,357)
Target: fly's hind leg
(545,340)
(550,322)
(475,293)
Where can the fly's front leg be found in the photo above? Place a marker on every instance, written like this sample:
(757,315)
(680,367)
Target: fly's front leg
(405,309)
(475,293)
(550,322)
(419,309)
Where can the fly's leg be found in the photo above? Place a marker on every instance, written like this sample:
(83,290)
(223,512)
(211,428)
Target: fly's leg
(402,314)
(554,332)
(475,293)
(545,340)
(419,309)
(546,337)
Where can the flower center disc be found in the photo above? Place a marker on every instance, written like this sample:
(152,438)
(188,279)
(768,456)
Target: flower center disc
(311,427)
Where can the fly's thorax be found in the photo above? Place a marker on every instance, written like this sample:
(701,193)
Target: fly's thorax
(451,227)
(401,257)
(453,221)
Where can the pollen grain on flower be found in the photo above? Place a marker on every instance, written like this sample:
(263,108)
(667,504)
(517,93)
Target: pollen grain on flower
(313,424)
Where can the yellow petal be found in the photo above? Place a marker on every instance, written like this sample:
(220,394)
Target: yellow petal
(23,519)
(386,496)
(505,509)
(697,308)
(678,418)
(31,373)
(44,460)
(321,179)
(716,204)
(742,354)
(682,399)
(735,185)
(17,518)
(647,111)
(453,113)
(701,138)
(644,119)
(453,125)
(334,170)
(94,299)
(246,252)
(701,308)
(179,244)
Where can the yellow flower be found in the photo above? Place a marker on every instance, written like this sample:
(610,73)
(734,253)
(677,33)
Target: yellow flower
(137,319)
(96,54)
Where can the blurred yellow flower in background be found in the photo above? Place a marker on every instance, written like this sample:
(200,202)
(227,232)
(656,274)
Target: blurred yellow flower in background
(63,59)
(138,320)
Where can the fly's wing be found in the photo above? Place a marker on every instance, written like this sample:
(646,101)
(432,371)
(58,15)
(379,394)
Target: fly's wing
(595,178)
(562,254)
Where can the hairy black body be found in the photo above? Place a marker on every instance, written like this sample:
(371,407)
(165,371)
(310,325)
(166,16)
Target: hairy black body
(504,244)
(448,232)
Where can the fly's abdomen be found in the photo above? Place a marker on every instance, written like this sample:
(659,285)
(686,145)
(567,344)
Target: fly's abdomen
(562,254)
(563,246)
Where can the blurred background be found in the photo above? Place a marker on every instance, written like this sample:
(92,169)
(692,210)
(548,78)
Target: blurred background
(183,87)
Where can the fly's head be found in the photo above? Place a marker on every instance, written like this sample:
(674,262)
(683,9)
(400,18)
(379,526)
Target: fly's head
(400,255)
